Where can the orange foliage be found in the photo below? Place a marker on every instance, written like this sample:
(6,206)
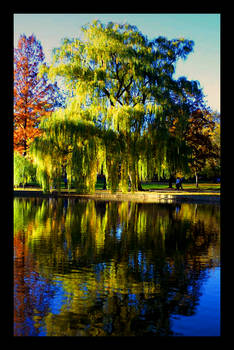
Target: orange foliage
(32,96)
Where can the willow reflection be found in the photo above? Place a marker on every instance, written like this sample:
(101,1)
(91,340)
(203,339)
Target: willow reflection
(109,268)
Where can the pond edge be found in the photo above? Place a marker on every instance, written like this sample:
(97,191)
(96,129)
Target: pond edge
(148,197)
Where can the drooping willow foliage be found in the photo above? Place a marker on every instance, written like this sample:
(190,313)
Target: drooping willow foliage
(24,170)
(71,143)
(68,145)
(127,116)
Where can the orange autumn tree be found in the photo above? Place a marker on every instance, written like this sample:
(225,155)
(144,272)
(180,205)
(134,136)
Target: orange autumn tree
(33,96)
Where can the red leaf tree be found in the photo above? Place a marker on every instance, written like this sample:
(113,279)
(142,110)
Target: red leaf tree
(33,96)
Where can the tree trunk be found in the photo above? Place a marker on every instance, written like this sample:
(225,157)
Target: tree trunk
(196,176)
(25,125)
(104,183)
(139,187)
(25,148)
(170,181)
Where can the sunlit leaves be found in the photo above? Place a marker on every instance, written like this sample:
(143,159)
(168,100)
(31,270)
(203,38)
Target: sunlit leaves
(128,114)
(24,171)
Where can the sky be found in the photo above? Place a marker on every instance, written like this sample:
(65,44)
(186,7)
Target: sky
(203,64)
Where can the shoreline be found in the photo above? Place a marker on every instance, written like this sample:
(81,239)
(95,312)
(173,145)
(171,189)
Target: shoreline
(154,196)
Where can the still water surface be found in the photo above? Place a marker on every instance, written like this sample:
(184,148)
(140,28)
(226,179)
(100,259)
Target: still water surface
(95,268)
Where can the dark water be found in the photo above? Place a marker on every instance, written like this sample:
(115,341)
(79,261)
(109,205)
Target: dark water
(94,268)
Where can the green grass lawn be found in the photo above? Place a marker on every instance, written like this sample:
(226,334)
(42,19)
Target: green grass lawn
(146,186)
(203,186)
(186,186)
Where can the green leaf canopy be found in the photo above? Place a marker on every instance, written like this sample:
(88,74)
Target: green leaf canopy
(125,104)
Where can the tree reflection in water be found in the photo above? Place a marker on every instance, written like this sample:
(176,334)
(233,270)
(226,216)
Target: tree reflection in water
(95,268)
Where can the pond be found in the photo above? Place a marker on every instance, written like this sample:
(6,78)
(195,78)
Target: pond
(106,268)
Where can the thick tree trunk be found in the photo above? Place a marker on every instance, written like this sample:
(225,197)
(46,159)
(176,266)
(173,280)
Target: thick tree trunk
(196,177)
(104,183)
(170,181)
(139,186)
(25,148)
(25,125)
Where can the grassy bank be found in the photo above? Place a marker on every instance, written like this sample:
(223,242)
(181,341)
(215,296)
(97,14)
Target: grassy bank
(152,192)
(147,186)
(186,186)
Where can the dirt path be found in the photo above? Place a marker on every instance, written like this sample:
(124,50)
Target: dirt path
(152,196)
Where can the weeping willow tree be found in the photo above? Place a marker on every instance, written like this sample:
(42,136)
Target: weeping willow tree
(126,102)
(67,143)
(72,143)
